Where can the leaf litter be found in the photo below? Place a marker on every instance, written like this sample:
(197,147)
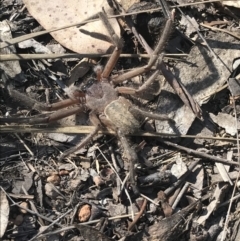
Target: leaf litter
(87,191)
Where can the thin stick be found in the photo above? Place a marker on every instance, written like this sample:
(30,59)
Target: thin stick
(29,210)
(132,224)
(88,129)
(49,226)
(149,199)
(23,142)
(235,35)
(201,154)
(10,57)
(181,193)
(126,191)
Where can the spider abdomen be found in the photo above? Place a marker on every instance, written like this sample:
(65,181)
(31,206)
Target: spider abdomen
(118,114)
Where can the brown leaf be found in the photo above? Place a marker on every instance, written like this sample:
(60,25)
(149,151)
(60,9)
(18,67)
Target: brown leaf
(84,213)
(55,179)
(89,38)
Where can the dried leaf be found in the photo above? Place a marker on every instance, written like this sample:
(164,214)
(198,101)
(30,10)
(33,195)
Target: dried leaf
(234,86)
(66,166)
(190,23)
(226,121)
(24,205)
(89,38)
(75,183)
(51,191)
(32,43)
(202,77)
(224,173)
(84,213)
(79,71)
(216,200)
(234,3)
(26,182)
(167,209)
(4,213)
(11,68)
(196,178)
(126,4)
(55,179)
(179,168)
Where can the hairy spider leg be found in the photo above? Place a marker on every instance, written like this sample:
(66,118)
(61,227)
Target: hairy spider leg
(33,104)
(101,74)
(95,121)
(155,54)
(132,158)
(117,43)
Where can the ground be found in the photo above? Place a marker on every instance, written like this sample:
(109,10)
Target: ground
(186,176)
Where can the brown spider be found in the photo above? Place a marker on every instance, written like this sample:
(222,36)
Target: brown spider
(107,108)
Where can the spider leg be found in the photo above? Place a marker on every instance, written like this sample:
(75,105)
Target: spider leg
(131,157)
(165,34)
(42,119)
(77,98)
(145,86)
(118,46)
(95,121)
(33,104)
(176,85)
(152,115)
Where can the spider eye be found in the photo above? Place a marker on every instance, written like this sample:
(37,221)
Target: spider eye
(88,84)
(84,88)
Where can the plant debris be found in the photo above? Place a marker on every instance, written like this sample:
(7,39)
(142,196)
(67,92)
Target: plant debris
(187,171)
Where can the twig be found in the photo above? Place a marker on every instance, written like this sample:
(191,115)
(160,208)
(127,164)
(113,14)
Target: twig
(169,190)
(126,191)
(88,129)
(237,36)
(29,210)
(184,189)
(49,226)
(149,199)
(33,207)
(132,224)
(23,142)
(201,154)
(10,57)
(21,196)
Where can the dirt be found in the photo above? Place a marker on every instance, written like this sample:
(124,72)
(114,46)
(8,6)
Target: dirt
(186,171)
